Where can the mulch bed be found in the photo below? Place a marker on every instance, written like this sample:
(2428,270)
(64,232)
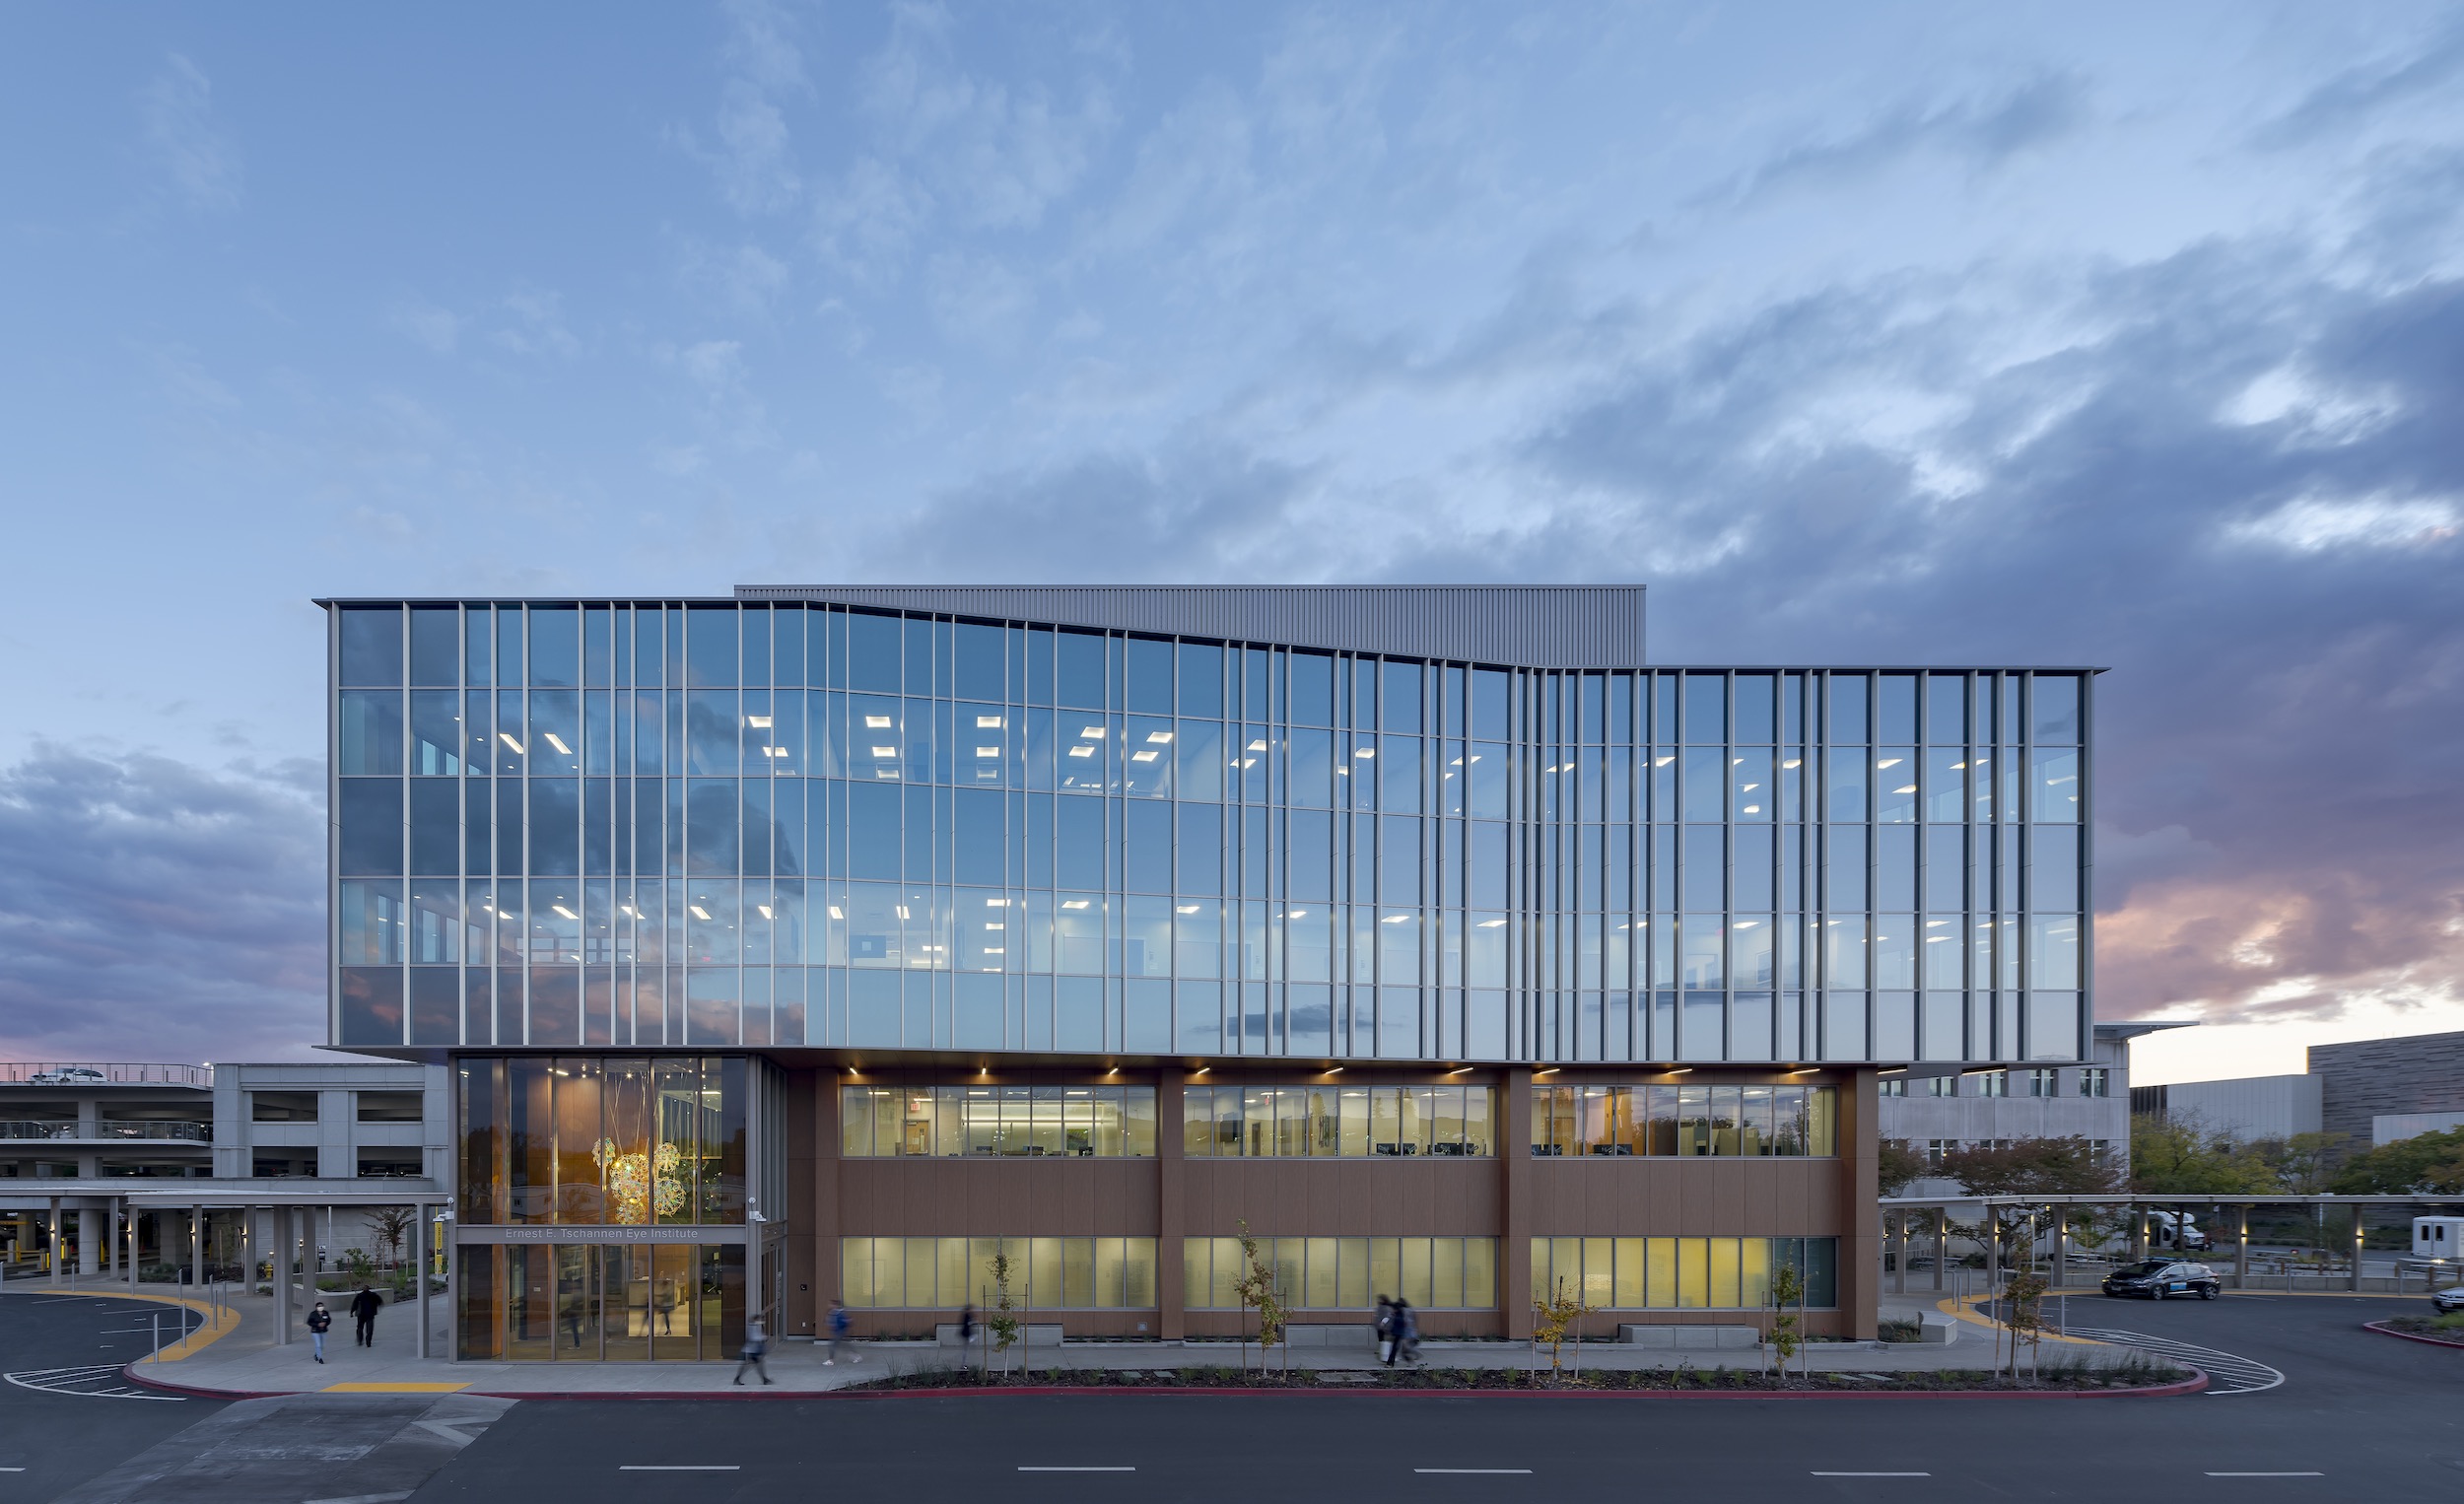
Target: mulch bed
(1679,1380)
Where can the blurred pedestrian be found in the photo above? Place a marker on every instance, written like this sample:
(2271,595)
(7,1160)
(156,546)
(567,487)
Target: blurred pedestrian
(364,1315)
(1407,1332)
(319,1321)
(756,1344)
(1385,1331)
(839,1324)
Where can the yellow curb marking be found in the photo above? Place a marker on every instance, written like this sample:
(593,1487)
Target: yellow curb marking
(1963,1307)
(392,1389)
(218,1323)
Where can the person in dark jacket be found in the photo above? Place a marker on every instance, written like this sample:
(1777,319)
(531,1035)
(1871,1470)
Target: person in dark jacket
(319,1321)
(1407,1332)
(756,1344)
(364,1315)
(1385,1331)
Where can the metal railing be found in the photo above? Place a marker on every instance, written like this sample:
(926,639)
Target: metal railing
(110,1128)
(102,1073)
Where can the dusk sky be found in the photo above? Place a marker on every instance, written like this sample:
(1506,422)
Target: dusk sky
(2123,335)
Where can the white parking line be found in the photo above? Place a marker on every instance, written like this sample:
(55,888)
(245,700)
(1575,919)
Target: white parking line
(1821,1474)
(2233,1373)
(1077,1469)
(2267,1474)
(1480,1472)
(679,1467)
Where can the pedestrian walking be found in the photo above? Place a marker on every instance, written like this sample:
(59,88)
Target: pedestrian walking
(1407,1332)
(319,1321)
(364,1315)
(839,1322)
(966,1328)
(756,1342)
(1385,1331)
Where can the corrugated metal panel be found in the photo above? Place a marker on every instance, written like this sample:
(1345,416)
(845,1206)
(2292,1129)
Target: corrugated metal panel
(1531,626)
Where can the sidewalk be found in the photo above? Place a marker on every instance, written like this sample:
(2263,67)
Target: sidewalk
(246,1360)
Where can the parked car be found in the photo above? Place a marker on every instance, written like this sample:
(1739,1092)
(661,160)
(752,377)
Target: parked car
(67,1076)
(2449,1299)
(2158,1278)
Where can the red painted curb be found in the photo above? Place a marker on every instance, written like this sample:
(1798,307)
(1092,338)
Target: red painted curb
(2410,1336)
(129,1372)
(2197,1382)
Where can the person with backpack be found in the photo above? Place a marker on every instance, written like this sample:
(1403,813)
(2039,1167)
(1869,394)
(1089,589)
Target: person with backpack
(319,1321)
(1387,1343)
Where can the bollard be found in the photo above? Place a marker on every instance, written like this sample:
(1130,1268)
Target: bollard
(158,1333)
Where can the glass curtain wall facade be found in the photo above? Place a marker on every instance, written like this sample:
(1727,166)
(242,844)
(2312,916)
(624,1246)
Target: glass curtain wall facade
(707,825)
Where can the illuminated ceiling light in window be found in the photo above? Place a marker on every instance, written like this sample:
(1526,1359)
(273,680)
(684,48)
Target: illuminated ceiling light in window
(567,913)
(1749,787)
(993,950)
(507,737)
(1159,736)
(1396,918)
(1888,762)
(1298,913)
(763,909)
(987,751)
(1364,752)
(698,911)
(762,721)
(838,912)
(997,903)
(1488,923)
(557,742)
(1144,756)
(1258,745)
(1958,767)
(1748,924)
(1736,760)
(885,751)
(987,723)
(877,722)
(1082,751)
(1905,789)
(1753,809)
(995,925)
(1073,903)
(1793,762)
(1092,733)
(1936,939)
(902,910)
(1663,760)
(1184,909)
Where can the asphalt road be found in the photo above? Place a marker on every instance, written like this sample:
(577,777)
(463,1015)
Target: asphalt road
(75,1427)
(2358,1416)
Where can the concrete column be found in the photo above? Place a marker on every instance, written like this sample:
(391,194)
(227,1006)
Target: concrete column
(1942,1243)
(1861,1241)
(2357,1231)
(2061,1247)
(90,1240)
(419,1241)
(282,1243)
(1514,1222)
(196,1246)
(1171,1205)
(2138,1232)
(58,1244)
(2241,1247)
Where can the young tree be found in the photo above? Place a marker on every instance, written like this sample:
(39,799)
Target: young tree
(1257,1289)
(1787,1298)
(2024,1312)
(1000,1322)
(2177,1155)
(1556,1319)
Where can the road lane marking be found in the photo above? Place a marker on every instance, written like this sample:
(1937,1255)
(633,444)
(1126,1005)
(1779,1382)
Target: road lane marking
(1023,1469)
(1481,1471)
(2231,1373)
(2267,1474)
(1821,1474)
(680,1467)
(92,1380)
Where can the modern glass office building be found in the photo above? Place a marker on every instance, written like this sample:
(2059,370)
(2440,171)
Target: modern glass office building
(828,941)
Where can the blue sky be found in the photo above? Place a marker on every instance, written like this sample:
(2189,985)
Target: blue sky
(2128,335)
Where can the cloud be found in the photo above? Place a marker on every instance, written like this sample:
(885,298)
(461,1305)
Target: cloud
(745,281)
(433,329)
(2356,95)
(200,160)
(1982,130)
(755,159)
(153,910)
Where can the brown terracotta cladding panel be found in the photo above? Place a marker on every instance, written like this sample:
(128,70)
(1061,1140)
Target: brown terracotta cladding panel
(947,1199)
(1672,1198)
(1377,1197)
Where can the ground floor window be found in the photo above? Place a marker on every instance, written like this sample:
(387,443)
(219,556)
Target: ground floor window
(582,1302)
(1347,1273)
(1045,1273)
(1681,1274)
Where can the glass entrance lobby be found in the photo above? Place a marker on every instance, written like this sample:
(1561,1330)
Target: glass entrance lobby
(596,1302)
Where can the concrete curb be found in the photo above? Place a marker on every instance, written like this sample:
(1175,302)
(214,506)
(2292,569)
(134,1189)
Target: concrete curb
(2197,1382)
(2411,1337)
(129,1372)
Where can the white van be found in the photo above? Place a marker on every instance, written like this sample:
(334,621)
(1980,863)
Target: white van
(2438,1236)
(2165,1229)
